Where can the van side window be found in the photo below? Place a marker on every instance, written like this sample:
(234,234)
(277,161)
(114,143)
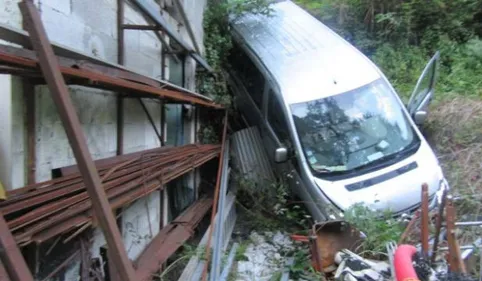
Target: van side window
(276,118)
(249,74)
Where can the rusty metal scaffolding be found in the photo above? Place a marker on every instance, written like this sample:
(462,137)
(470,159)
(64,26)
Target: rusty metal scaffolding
(88,193)
(45,210)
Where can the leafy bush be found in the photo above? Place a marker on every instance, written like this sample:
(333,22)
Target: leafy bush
(378,228)
(217,42)
(401,36)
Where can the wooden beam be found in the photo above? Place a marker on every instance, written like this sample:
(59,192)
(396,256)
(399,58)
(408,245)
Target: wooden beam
(51,70)
(11,256)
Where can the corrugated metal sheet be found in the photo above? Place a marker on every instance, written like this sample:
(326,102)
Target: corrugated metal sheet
(195,266)
(249,157)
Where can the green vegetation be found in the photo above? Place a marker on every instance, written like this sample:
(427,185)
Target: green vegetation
(400,36)
(217,42)
(379,230)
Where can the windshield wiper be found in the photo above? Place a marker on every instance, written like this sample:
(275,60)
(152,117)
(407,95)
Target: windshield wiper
(387,159)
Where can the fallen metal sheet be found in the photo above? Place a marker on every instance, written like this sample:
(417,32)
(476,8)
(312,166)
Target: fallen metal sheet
(227,268)
(21,37)
(189,272)
(170,238)
(219,225)
(249,156)
(85,76)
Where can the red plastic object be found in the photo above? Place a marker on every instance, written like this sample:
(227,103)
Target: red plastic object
(300,238)
(404,270)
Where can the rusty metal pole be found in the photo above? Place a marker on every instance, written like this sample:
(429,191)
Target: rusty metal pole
(51,71)
(3,273)
(11,256)
(216,196)
(424,221)
(456,263)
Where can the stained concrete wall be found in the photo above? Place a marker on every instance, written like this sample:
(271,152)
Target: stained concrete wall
(91,26)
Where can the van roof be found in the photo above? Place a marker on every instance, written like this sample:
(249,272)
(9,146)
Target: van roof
(307,59)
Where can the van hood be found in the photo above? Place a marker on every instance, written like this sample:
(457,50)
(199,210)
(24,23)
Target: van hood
(396,188)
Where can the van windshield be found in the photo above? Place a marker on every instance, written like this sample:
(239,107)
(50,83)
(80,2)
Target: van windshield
(358,129)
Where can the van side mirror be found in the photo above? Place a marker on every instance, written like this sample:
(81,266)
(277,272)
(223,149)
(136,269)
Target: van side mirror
(419,117)
(281,155)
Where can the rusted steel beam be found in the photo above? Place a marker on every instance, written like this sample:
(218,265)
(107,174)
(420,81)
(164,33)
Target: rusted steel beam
(111,178)
(105,81)
(20,37)
(145,7)
(424,221)
(3,273)
(456,263)
(72,180)
(149,117)
(11,256)
(69,207)
(216,196)
(117,201)
(115,160)
(140,27)
(169,239)
(187,23)
(51,71)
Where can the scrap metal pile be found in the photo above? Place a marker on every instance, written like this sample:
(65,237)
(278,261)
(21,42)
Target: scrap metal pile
(420,254)
(44,210)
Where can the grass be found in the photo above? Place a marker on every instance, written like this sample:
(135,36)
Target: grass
(454,130)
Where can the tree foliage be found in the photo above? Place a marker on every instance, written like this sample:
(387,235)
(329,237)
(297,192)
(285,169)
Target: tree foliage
(401,35)
(217,42)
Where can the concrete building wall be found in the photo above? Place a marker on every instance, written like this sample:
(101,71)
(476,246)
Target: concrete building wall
(90,26)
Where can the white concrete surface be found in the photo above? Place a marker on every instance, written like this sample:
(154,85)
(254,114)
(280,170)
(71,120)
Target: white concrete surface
(265,255)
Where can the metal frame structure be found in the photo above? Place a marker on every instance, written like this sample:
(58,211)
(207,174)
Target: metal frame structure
(60,94)
(56,71)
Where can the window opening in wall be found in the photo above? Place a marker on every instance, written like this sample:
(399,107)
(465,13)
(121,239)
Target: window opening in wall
(174,118)
(248,73)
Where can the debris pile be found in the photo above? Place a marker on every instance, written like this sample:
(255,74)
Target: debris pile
(428,249)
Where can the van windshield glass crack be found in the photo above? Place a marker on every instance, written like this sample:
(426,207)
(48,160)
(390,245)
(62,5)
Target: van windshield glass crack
(354,130)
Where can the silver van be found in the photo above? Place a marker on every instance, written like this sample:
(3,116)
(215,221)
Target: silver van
(330,120)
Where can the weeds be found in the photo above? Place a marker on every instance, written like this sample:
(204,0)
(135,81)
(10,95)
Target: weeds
(379,229)
(217,42)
